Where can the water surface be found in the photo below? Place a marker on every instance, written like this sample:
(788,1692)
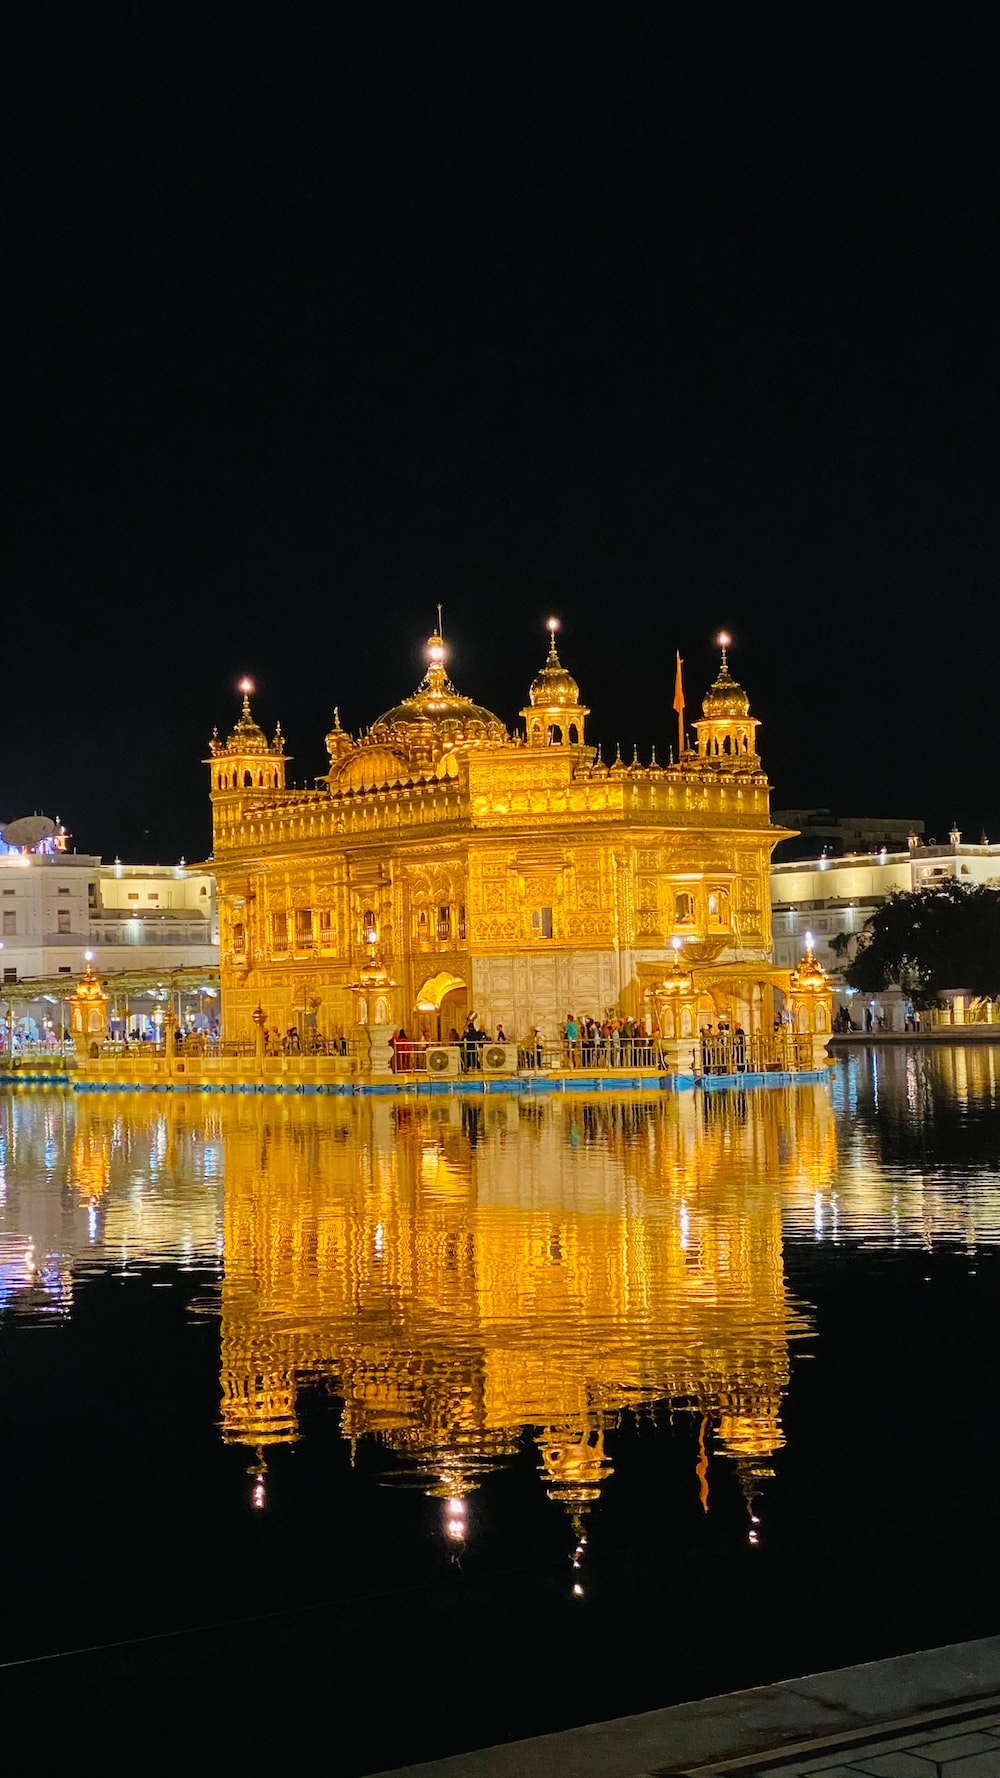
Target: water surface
(510,1414)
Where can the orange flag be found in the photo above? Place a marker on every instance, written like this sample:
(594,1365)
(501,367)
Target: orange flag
(679,687)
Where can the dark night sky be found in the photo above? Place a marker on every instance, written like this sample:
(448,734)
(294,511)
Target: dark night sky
(658,324)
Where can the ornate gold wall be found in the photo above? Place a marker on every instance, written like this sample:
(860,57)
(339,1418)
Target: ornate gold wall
(536,877)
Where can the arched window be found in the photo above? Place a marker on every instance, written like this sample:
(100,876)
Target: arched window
(248,780)
(369,930)
(683,908)
(574,734)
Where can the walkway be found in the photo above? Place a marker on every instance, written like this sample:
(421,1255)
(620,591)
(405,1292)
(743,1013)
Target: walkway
(929,1715)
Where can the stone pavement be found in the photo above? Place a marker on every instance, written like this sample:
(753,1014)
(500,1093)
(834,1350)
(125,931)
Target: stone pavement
(930,1715)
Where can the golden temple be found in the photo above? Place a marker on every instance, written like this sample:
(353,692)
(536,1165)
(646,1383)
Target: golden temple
(516,876)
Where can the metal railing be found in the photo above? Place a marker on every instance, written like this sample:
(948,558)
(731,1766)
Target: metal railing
(759,1052)
(635,1052)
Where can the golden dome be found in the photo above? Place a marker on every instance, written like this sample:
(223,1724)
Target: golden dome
(553,686)
(369,768)
(809,977)
(437,712)
(247,736)
(725,697)
(89,986)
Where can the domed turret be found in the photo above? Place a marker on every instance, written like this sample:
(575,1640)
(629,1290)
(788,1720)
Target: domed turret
(554,714)
(437,719)
(727,733)
(724,697)
(338,741)
(247,735)
(552,685)
(247,760)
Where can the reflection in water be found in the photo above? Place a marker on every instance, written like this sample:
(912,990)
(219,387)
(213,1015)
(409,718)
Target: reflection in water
(101,1182)
(919,1138)
(457,1272)
(461,1273)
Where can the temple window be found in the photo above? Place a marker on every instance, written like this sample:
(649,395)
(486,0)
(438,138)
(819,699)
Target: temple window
(239,937)
(369,930)
(248,780)
(718,907)
(444,925)
(303,929)
(683,908)
(541,922)
(326,932)
(461,922)
(279,930)
(574,734)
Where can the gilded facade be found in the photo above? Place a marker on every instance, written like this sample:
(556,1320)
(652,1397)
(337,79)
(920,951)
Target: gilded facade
(515,875)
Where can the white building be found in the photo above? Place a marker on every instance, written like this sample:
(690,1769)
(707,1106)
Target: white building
(833,897)
(59,908)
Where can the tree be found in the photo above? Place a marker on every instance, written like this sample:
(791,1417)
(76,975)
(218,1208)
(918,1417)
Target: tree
(840,944)
(947,936)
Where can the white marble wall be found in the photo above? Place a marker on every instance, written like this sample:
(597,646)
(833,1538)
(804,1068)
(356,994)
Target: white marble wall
(541,989)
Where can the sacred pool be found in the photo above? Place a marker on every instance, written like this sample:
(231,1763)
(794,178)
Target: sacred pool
(472,1418)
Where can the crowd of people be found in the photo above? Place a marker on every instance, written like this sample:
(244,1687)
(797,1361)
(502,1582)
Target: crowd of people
(471,1043)
(610,1042)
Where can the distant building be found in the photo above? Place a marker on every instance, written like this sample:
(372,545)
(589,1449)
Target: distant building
(820,831)
(832,897)
(57,905)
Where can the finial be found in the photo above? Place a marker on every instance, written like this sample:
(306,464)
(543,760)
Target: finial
(635,753)
(618,753)
(652,754)
(552,625)
(724,641)
(336,716)
(671,755)
(440,623)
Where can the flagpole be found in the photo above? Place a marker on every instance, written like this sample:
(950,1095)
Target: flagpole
(679,707)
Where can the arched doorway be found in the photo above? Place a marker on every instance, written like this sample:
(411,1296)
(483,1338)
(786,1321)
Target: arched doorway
(442,1005)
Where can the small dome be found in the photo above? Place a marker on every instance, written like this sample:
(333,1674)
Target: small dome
(553,686)
(338,741)
(725,697)
(810,977)
(247,736)
(369,768)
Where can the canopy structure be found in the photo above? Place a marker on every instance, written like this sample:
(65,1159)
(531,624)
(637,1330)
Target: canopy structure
(186,980)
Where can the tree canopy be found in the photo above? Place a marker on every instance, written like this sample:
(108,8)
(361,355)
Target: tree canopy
(946,936)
